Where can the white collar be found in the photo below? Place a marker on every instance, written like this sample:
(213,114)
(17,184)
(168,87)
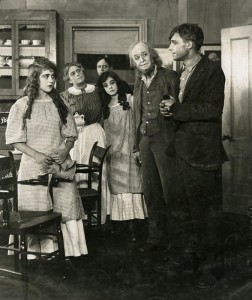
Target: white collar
(89,89)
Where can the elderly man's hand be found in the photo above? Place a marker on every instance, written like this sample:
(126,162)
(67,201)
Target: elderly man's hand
(165,106)
(137,158)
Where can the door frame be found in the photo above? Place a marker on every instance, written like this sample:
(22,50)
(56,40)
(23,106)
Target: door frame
(236,200)
(124,24)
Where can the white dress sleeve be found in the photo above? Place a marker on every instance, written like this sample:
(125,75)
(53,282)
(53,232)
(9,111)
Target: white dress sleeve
(69,129)
(16,131)
(130,99)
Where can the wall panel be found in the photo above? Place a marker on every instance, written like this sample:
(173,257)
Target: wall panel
(211,15)
(162,15)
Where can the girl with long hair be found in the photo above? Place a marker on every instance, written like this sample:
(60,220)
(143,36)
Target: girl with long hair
(42,128)
(126,202)
(104,64)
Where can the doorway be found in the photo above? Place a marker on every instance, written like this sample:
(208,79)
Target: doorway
(237,118)
(86,40)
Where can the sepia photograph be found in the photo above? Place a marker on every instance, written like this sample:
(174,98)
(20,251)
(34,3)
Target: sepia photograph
(125,150)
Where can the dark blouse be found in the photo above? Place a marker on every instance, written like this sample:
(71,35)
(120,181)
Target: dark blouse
(88,104)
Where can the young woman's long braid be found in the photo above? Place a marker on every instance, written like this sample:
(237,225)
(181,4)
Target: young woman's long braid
(61,106)
(31,90)
(46,142)
(122,98)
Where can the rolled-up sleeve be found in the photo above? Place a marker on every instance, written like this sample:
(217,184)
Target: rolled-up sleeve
(69,130)
(16,131)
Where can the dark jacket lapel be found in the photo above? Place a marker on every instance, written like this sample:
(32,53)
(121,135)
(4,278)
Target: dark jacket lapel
(194,77)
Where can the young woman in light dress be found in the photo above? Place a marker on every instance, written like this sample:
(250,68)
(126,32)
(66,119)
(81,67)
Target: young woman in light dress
(41,126)
(85,106)
(127,202)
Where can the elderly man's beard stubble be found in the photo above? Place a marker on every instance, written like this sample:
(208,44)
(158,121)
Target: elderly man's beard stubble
(149,71)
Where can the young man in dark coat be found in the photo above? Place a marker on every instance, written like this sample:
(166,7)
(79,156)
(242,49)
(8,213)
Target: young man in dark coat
(198,148)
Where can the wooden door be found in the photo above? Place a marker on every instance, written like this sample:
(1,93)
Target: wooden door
(237,118)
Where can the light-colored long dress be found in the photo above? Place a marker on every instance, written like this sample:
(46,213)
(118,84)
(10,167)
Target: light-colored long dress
(124,178)
(87,103)
(45,132)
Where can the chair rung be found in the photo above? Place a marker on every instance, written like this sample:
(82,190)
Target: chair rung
(94,217)
(7,245)
(46,255)
(9,248)
(40,254)
(85,192)
(10,272)
(46,233)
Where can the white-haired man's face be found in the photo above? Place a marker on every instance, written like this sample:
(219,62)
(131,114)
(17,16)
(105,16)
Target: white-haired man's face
(141,57)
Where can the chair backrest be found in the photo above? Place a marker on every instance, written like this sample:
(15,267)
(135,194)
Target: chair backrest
(8,183)
(8,177)
(96,159)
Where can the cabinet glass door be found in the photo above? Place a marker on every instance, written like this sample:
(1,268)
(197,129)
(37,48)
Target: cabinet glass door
(6,52)
(31,44)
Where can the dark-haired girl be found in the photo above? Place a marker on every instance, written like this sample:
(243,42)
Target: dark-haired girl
(104,64)
(124,180)
(41,127)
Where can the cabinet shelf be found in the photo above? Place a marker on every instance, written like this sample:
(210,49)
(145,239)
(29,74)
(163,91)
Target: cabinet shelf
(5,50)
(5,27)
(5,71)
(23,72)
(32,51)
(31,46)
(36,27)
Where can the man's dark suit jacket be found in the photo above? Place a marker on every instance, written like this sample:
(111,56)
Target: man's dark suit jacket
(198,131)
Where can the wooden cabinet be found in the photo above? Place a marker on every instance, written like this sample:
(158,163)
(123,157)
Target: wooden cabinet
(24,35)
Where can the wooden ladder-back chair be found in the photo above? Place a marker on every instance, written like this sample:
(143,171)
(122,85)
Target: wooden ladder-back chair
(21,223)
(91,198)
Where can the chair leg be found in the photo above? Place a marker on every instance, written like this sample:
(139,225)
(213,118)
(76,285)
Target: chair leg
(24,270)
(99,212)
(89,218)
(89,214)
(16,253)
(249,260)
(60,242)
